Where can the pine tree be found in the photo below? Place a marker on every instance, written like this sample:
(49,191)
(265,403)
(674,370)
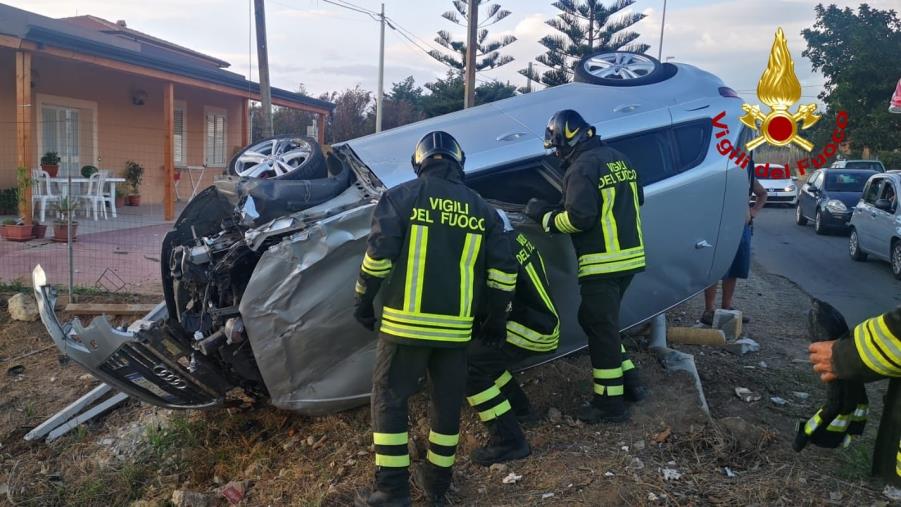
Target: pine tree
(488,52)
(587,26)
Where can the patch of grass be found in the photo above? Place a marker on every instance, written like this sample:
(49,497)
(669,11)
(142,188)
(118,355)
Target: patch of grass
(856,460)
(181,433)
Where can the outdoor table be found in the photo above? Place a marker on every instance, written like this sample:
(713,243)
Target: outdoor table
(62,183)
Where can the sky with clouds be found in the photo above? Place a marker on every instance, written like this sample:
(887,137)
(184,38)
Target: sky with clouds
(329,48)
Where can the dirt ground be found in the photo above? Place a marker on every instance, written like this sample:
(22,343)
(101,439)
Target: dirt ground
(671,453)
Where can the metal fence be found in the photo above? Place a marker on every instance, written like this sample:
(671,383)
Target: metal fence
(99,213)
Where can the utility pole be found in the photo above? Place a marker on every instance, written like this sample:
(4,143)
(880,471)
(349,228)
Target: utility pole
(381,94)
(263,61)
(529,80)
(469,78)
(662,24)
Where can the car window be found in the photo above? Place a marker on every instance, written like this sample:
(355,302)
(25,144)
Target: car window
(846,181)
(863,165)
(815,179)
(872,191)
(649,153)
(692,141)
(889,193)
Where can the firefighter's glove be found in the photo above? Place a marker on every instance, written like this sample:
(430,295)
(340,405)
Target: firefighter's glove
(829,427)
(364,309)
(537,208)
(494,331)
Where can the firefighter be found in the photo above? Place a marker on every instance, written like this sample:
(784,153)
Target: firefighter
(532,328)
(871,352)
(440,252)
(600,211)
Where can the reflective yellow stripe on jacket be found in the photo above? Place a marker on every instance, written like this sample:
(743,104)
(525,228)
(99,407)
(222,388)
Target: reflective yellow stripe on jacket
(611,262)
(527,338)
(426,326)
(878,347)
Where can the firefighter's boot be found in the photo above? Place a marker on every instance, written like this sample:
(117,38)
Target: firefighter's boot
(507,442)
(633,389)
(434,481)
(392,489)
(604,409)
(520,402)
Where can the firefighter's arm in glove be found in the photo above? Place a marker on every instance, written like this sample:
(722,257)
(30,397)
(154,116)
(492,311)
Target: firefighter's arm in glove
(537,208)
(364,309)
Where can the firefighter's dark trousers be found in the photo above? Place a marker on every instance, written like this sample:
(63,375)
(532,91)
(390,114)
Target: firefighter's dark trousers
(599,318)
(398,369)
(491,389)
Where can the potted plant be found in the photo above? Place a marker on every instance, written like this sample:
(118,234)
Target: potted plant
(120,197)
(18,230)
(50,163)
(64,209)
(88,170)
(15,230)
(134,175)
(39,230)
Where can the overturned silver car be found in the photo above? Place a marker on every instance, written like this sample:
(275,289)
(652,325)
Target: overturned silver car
(258,272)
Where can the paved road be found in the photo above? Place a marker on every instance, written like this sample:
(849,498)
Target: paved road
(822,267)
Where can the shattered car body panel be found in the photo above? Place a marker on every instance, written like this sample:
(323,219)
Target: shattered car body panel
(258,280)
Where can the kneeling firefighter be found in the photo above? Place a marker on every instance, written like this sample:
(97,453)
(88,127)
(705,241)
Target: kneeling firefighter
(600,210)
(532,328)
(439,249)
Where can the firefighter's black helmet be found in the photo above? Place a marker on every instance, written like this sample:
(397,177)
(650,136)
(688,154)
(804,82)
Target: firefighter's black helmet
(435,143)
(565,130)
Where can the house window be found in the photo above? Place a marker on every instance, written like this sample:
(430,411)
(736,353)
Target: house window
(59,133)
(178,137)
(214,151)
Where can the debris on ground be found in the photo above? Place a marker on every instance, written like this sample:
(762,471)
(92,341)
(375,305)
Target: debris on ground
(747,436)
(554,415)
(670,474)
(728,472)
(696,336)
(728,321)
(15,370)
(234,491)
(800,395)
(662,436)
(546,496)
(746,395)
(498,468)
(778,401)
(185,498)
(743,346)
(636,464)
(512,478)
(22,307)
(892,493)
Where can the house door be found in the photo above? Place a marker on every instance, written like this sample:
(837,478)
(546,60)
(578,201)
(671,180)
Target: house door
(60,134)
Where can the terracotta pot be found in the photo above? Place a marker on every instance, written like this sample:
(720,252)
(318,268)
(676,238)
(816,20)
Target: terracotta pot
(52,170)
(61,232)
(120,201)
(133,200)
(40,230)
(18,232)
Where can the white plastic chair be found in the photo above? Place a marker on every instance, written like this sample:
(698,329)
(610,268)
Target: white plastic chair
(41,192)
(94,197)
(109,199)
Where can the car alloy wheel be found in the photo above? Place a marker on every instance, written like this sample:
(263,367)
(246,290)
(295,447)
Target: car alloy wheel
(621,68)
(854,247)
(799,217)
(280,157)
(818,223)
(896,259)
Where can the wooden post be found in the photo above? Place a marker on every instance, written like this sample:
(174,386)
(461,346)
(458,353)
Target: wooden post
(245,122)
(168,154)
(321,128)
(24,148)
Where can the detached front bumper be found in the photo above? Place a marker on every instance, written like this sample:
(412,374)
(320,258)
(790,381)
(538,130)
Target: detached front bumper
(145,361)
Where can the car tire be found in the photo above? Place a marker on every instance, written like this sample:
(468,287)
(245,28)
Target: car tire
(896,258)
(312,166)
(800,219)
(622,68)
(818,226)
(854,247)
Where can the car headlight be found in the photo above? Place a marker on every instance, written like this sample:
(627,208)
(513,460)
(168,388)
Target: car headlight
(790,188)
(836,206)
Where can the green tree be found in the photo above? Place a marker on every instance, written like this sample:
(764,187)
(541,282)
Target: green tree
(488,54)
(858,54)
(447,94)
(351,118)
(586,27)
(402,104)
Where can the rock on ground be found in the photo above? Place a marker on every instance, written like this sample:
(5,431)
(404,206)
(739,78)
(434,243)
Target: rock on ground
(185,498)
(23,307)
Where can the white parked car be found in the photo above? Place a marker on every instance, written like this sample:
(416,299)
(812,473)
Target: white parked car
(779,184)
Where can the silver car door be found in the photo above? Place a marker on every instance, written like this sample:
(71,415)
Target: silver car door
(866,221)
(883,222)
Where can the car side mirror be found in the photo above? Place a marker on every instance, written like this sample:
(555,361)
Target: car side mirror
(883,204)
(812,189)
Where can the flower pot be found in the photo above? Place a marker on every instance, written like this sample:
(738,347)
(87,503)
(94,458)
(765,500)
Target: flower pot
(61,231)
(40,230)
(133,200)
(120,201)
(51,169)
(18,232)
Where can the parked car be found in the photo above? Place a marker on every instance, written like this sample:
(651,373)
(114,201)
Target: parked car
(828,197)
(779,184)
(258,273)
(871,165)
(876,222)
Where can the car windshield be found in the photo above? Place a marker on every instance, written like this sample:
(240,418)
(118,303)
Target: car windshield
(847,182)
(863,165)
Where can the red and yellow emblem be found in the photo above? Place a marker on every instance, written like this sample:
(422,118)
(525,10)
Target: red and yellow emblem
(779,89)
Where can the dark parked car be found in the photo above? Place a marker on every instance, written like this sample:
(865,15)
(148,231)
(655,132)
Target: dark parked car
(829,196)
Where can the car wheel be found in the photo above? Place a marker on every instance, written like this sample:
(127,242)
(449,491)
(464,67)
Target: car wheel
(280,157)
(818,226)
(800,219)
(622,68)
(854,247)
(896,259)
